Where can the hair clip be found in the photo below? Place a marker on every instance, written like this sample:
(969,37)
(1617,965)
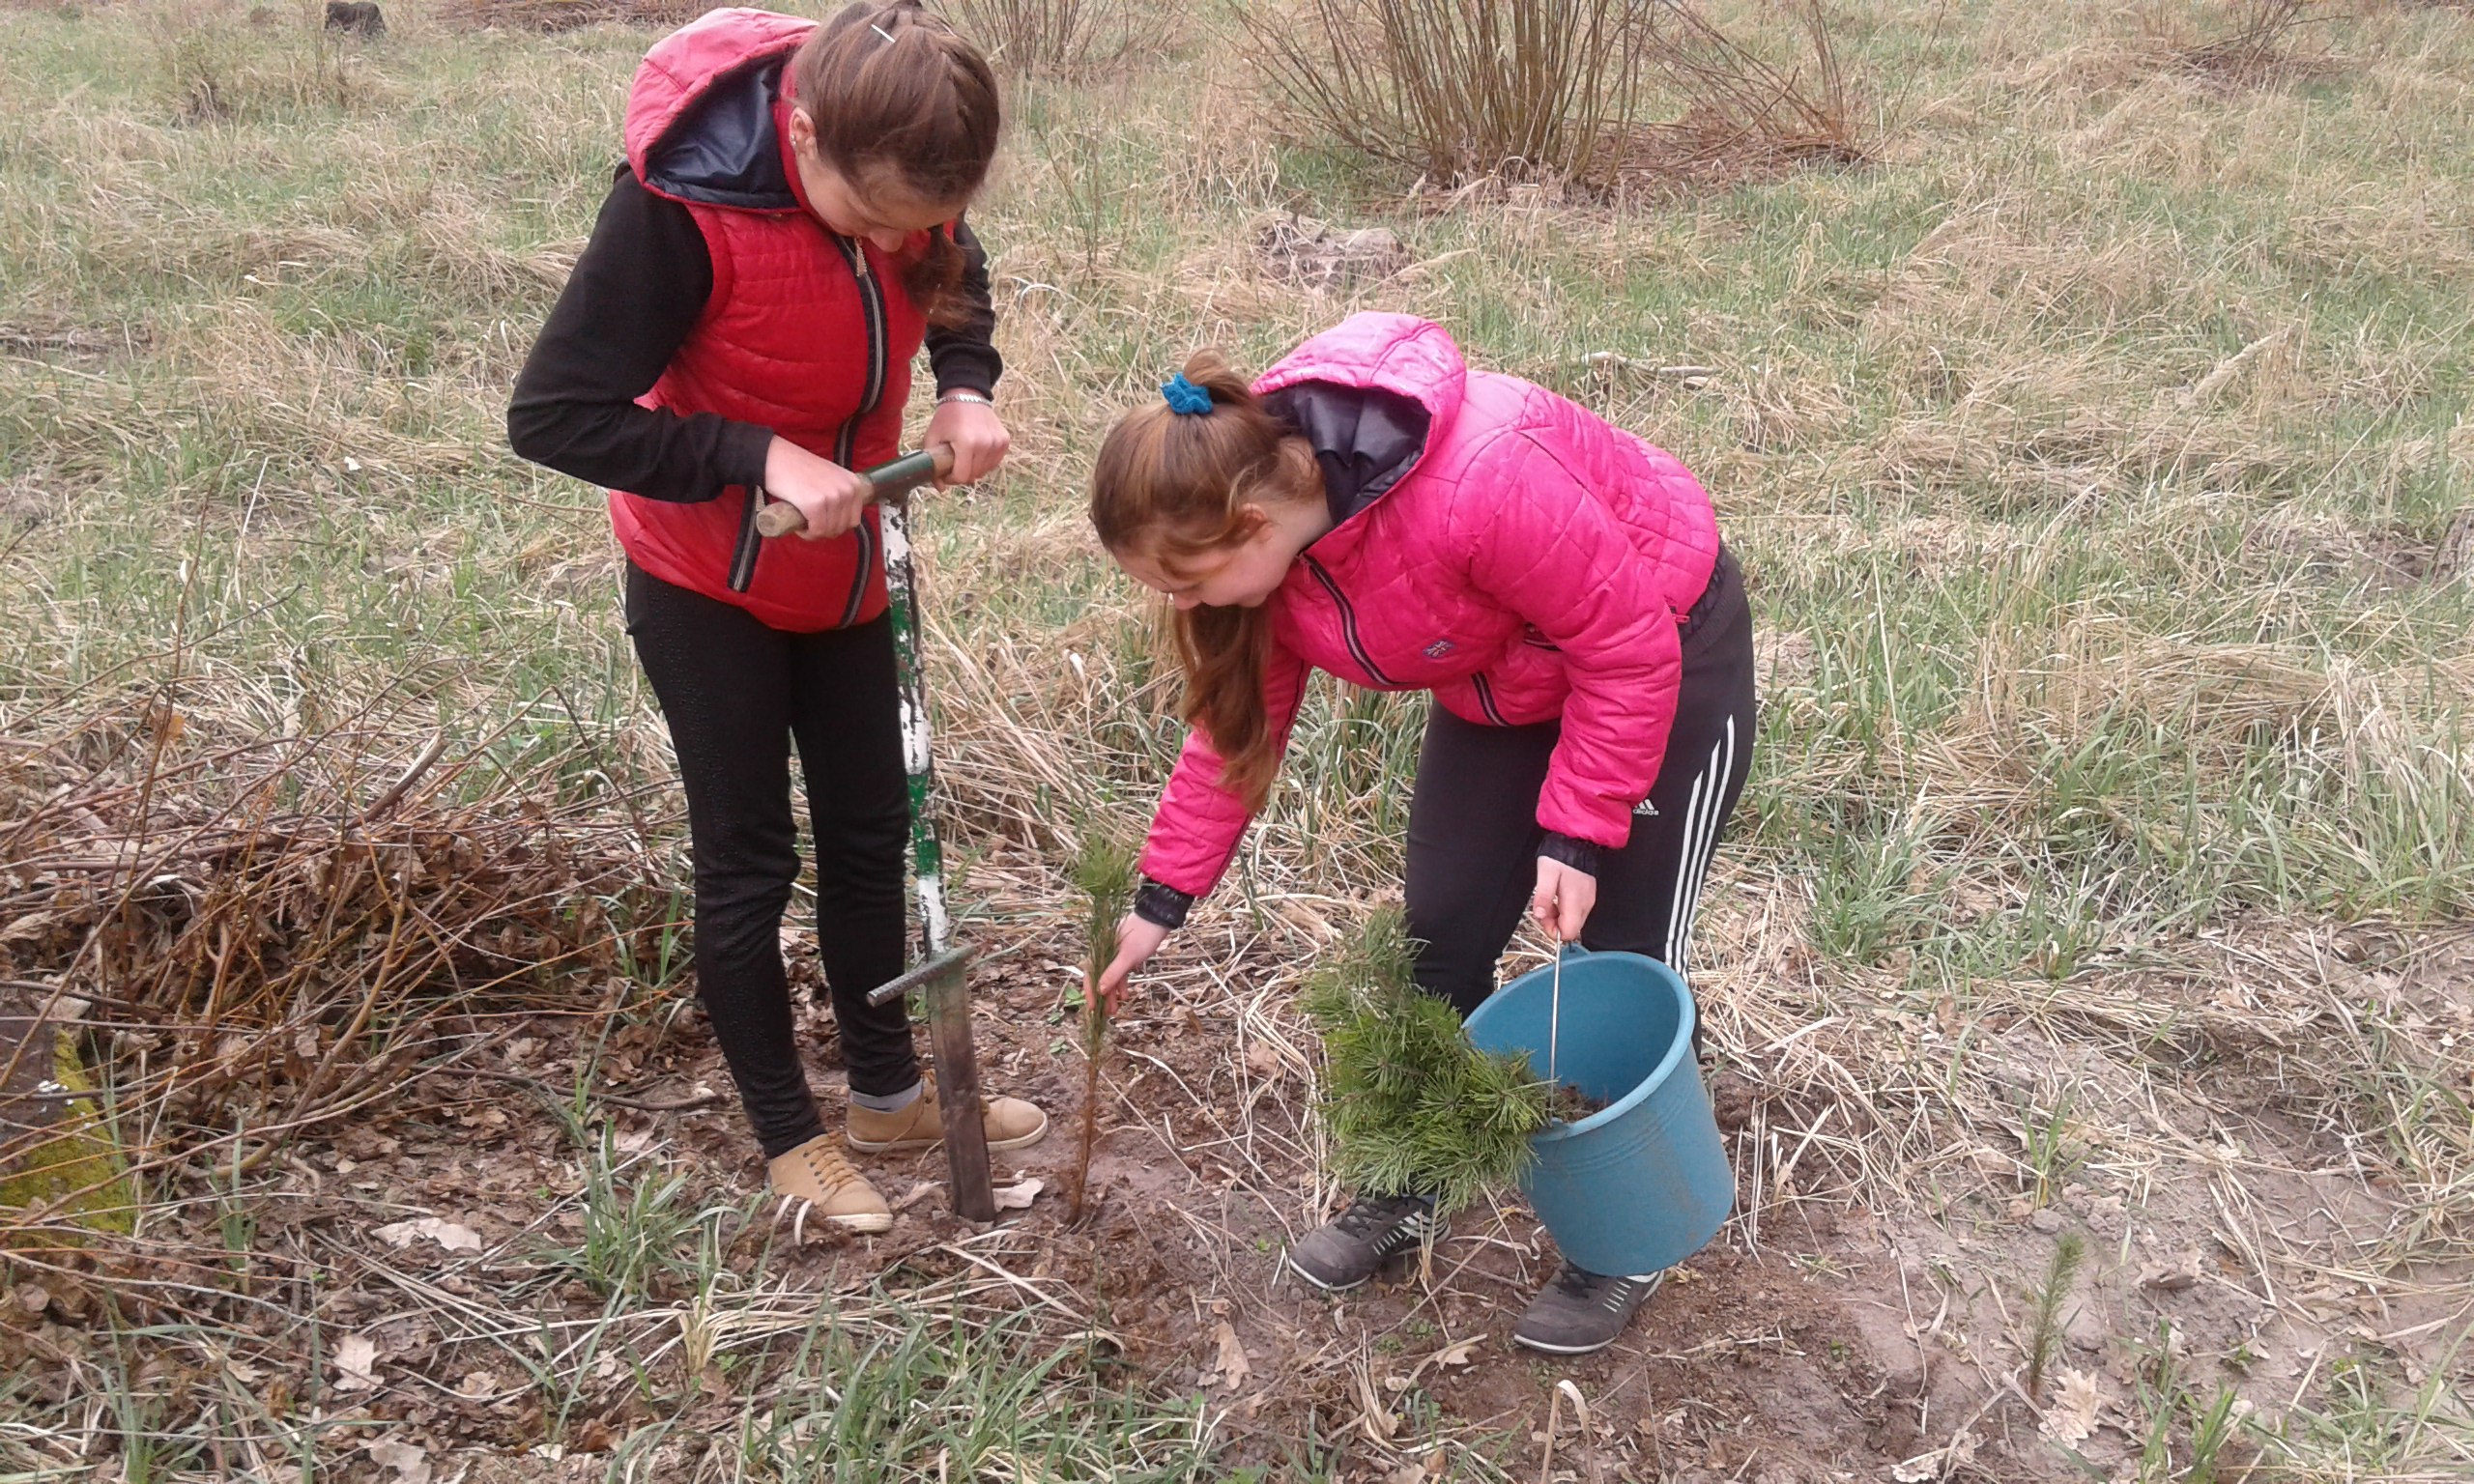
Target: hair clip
(880,30)
(1184,398)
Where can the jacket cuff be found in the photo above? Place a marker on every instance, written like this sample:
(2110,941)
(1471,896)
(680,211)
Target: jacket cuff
(1582,855)
(1161,904)
(972,377)
(963,362)
(743,454)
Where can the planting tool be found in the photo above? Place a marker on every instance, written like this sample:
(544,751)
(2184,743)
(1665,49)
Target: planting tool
(939,976)
(893,479)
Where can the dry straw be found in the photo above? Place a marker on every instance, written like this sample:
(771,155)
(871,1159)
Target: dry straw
(273,934)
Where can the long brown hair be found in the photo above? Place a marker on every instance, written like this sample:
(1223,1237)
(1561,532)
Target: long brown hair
(893,89)
(1171,485)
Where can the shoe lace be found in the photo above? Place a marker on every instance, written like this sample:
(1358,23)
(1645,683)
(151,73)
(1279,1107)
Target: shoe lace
(832,1172)
(1364,1217)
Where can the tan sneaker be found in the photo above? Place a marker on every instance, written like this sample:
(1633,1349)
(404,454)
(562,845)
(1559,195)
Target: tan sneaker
(1010,1121)
(816,1173)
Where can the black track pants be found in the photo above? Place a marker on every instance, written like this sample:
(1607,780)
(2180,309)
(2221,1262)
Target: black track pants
(1474,835)
(736,693)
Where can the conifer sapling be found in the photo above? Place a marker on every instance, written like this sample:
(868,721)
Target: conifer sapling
(1103,871)
(1410,1105)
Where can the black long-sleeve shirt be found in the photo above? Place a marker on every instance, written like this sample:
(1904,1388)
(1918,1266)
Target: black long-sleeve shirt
(637,291)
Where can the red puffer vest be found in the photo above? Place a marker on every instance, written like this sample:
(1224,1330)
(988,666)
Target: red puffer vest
(807,334)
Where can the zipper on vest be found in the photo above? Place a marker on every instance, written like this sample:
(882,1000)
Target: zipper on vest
(872,314)
(750,541)
(1348,622)
(1486,699)
(871,311)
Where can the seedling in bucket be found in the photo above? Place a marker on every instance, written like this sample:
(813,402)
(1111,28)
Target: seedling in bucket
(1409,1103)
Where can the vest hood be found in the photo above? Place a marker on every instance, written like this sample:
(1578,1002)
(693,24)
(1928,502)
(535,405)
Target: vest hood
(704,115)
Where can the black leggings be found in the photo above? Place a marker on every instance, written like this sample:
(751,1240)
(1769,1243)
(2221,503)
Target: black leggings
(736,694)
(1474,835)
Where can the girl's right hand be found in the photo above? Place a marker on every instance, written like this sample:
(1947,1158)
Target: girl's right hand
(1137,939)
(830,497)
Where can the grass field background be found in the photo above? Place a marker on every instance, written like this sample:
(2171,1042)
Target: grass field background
(2100,453)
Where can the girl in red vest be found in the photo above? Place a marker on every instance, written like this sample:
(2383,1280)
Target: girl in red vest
(784,235)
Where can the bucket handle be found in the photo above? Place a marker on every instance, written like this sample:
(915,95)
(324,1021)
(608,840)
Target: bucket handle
(1567,948)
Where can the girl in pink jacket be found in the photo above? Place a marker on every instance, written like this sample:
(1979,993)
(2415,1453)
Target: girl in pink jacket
(1372,508)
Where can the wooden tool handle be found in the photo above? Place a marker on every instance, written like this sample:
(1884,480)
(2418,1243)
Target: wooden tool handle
(893,478)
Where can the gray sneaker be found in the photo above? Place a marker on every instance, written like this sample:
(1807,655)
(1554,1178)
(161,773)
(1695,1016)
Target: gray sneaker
(1580,1312)
(1345,1251)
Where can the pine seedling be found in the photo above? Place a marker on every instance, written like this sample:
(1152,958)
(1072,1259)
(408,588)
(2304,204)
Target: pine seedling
(2045,1328)
(1410,1104)
(1103,871)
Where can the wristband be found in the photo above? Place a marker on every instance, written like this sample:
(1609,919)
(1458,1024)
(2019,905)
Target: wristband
(965,394)
(1570,850)
(1161,904)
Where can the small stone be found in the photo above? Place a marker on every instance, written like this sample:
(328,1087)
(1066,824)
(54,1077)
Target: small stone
(2046,1220)
(355,17)
(2085,1329)
(33,1298)
(2176,1272)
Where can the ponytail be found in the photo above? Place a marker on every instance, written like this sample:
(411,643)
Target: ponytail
(1171,484)
(933,280)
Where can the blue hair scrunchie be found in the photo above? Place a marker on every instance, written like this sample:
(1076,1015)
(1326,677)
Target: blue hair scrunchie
(1184,398)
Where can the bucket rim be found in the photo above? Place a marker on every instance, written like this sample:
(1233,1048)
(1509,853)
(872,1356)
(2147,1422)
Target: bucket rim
(1667,980)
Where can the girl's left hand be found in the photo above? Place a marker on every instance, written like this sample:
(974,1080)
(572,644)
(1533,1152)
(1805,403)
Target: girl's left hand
(979,441)
(1561,899)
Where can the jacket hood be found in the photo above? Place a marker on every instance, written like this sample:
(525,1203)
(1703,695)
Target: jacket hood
(1371,394)
(703,115)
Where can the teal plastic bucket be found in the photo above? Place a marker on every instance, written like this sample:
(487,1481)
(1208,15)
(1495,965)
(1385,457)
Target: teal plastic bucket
(1643,1183)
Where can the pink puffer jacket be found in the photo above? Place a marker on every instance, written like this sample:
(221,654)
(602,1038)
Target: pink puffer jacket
(1499,545)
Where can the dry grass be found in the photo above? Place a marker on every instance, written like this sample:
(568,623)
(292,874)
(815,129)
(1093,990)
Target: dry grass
(552,15)
(2099,455)
(269,935)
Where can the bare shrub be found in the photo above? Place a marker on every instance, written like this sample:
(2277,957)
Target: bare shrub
(1046,38)
(2244,42)
(1554,91)
(1744,116)
(1462,89)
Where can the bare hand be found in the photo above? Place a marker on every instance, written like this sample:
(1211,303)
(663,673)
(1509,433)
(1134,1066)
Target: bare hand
(1137,939)
(832,497)
(979,441)
(1563,899)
